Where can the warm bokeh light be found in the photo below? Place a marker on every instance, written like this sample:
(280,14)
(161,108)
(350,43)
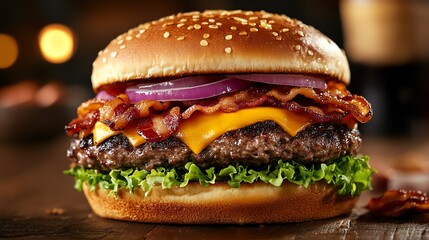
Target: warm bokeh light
(8,50)
(56,43)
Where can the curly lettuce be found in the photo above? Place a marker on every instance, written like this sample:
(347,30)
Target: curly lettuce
(351,175)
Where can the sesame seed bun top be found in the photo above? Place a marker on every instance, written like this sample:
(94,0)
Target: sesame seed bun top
(218,42)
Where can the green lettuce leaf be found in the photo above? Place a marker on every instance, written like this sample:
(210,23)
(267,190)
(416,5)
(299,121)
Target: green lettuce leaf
(351,175)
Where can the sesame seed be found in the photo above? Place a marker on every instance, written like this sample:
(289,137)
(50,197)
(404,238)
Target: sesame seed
(219,24)
(253,18)
(197,26)
(204,43)
(100,52)
(300,33)
(180,25)
(206,35)
(113,54)
(253,29)
(285,30)
(275,34)
(239,19)
(104,60)
(278,38)
(142,31)
(120,41)
(122,46)
(228,37)
(309,52)
(267,15)
(195,19)
(212,20)
(233,28)
(213,26)
(195,16)
(190,27)
(167,24)
(228,50)
(271,21)
(252,24)
(204,23)
(138,35)
(166,34)
(180,38)
(339,63)
(297,47)
(144,26)
(248,13)
(128,38)
(319,59)
(183,20)
(236,12)
(242,33)
(264,24)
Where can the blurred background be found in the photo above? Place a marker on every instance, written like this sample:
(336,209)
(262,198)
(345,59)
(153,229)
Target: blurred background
(47,48)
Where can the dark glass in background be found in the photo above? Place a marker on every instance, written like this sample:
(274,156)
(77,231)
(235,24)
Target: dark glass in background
(388,50)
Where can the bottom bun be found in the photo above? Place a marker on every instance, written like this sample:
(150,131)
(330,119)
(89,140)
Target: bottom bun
(219,203)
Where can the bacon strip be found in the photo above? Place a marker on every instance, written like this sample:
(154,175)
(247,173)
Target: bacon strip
(158,120)
(159,127)
(395,203)
(88,114)
(336,95)
(229,102)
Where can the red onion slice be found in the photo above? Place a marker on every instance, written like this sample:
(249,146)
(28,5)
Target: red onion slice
(104,95)
(180,83)
(185,89)
(298,80)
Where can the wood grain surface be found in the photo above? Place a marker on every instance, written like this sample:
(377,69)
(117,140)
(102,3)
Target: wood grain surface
(38,201)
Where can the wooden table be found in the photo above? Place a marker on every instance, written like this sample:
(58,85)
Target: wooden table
(38,201)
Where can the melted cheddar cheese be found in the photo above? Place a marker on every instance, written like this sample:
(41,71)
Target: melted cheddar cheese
(201,129)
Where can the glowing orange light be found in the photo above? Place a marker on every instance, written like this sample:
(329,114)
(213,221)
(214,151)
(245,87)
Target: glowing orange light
(56,43)
(8,51)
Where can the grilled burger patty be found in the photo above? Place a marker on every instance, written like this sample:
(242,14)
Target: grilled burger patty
(255,145)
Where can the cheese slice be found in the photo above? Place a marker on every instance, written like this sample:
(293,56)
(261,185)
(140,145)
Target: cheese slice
(201,129)
(101,132)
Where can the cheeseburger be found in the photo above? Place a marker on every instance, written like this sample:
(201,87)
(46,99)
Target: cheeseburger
(220,117)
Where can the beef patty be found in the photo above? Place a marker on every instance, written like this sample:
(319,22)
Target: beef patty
(255,145)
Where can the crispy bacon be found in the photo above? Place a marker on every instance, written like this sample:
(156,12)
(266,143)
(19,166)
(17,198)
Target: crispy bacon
(158,120)
(118,113)
(159,127)
(91,105)
(228,103)
(88,114)
(332,104)
(83,124)
(336,95)
(395,203)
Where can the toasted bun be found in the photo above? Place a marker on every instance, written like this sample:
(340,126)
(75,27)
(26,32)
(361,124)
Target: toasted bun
(218,42)
(250,203)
